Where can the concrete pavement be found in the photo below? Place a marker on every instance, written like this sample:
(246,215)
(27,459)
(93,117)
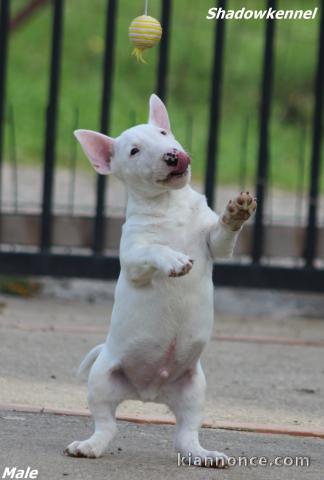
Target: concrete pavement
(44,339)
(144,451)
(272,380)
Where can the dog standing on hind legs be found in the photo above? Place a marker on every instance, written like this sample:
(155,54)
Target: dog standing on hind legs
(163,311)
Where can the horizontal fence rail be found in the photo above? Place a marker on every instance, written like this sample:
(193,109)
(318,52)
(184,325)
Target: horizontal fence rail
(267,255)
(280,241)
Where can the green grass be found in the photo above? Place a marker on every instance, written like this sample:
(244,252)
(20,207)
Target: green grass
(189,83)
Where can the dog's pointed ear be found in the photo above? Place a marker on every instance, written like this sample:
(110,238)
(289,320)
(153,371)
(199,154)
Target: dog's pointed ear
(98,148)
(158,115)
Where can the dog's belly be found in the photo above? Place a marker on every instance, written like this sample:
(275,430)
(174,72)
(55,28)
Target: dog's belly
(160,332)
(148,372)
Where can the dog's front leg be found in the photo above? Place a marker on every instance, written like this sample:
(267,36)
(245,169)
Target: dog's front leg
(141,262)
(223,236)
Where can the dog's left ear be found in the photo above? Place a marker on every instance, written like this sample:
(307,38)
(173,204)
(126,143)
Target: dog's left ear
(158,113)
(98,148)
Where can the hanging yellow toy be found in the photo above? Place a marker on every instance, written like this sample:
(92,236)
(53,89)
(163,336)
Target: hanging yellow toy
(144,32)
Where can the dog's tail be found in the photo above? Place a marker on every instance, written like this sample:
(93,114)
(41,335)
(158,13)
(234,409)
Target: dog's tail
(88,361)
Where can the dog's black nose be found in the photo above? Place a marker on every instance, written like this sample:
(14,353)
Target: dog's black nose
(171,159)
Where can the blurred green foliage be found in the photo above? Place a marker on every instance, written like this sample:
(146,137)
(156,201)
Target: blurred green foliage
(189,82)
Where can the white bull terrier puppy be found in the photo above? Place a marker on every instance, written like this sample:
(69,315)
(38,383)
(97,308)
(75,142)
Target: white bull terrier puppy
(163,311)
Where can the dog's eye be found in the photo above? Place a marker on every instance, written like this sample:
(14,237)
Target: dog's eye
(163,132)
(134,151)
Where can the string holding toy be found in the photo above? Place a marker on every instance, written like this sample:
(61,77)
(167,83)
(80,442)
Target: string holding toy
(144,32)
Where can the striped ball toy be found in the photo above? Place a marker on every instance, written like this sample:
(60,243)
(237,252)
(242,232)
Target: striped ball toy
(144,32)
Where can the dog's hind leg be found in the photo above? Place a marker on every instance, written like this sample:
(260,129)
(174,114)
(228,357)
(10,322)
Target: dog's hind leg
(107,387)
(186,398)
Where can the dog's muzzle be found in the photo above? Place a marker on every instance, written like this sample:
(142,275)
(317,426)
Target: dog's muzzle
(178,161)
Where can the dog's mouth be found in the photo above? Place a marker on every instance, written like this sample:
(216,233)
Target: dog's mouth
(177,174)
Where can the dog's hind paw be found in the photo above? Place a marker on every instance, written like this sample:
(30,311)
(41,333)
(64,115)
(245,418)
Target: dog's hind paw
(239,210)
(208,459)
(82,449)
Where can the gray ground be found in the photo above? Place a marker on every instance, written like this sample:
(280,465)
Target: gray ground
(44,339)
(140,452)
(267,376)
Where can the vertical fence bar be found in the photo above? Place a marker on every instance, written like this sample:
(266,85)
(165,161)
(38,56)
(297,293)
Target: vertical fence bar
(263,156)
(73,163)
(215,105)
(244,153)
(162,71)
(13,157)
(4,29)
(189,133)
(300,185)
(311,233)
(51,123)
(108,66)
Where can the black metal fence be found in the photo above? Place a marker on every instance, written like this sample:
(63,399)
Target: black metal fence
(43,259)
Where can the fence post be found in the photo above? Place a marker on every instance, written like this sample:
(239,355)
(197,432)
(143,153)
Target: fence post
(108,65)
(162,72)
(311,233)
(263,156)
(215,105)
(51,124)
(4,29)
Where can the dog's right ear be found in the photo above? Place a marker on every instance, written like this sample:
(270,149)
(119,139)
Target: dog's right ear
(98,148)
(158,115)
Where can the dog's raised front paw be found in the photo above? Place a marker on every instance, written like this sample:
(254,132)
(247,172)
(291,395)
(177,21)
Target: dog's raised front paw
(175,264)
(82,449)
(181,270)
(239,210)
